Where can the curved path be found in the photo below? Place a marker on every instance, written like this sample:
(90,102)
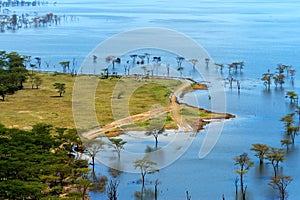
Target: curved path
(174,108)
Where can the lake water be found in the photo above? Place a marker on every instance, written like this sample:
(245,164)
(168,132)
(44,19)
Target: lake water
(260,33)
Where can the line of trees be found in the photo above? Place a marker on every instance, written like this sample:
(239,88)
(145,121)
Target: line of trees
(274,156)
(278,78)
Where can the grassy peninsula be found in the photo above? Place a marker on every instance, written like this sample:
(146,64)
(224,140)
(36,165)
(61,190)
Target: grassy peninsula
(30,106)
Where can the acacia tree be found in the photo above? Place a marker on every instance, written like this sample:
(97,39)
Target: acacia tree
(291,131)
(117,144)
(292,96)
(261,150)
(286,143)
(244,163)
(275,156)
(92,148)
(65,65)
(61,88)
(221,66)
(35,80)
(38,81)
(280,184)
(146,166)
(155,133)
(112,60)
(267,79)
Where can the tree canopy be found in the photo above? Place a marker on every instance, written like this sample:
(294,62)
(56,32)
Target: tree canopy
(13,72)
(35,165)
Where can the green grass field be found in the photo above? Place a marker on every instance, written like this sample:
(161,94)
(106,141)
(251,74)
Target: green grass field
(30,106)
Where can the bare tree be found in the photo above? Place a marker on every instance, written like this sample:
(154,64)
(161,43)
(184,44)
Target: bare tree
(280,184)
(92,148)
(112,190)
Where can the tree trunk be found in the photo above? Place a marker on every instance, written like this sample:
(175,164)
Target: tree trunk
(143,180)
(275,171)
(93,163)
(242,184)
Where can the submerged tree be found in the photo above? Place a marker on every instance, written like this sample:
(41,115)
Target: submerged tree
(179,60)
(146,166)
(275,156)
(194,62)
(280,184)
(292,96)
(112,60)
(221,66)
(267,78)
(279,79)
(117,144)
(65,65)
(261,150)
(286,143)
(291,131)
(155,133)
(207,61)
(92,148)
(244,163)
(112,190)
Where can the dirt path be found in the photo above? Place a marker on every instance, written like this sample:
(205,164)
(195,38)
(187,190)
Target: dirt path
(174,108)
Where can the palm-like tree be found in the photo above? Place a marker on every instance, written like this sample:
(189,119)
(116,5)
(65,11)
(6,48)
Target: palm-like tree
(194,62)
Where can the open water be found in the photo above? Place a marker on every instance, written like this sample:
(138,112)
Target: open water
(260,33)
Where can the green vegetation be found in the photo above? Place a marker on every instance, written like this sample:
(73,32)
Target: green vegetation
(27,106)
(60,87)
(146,166)
(189,112)
(244,163)
(117,144)
(13,73)
(39,164)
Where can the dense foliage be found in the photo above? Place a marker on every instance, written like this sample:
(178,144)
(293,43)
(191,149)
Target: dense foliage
(40,164)
(13,72)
